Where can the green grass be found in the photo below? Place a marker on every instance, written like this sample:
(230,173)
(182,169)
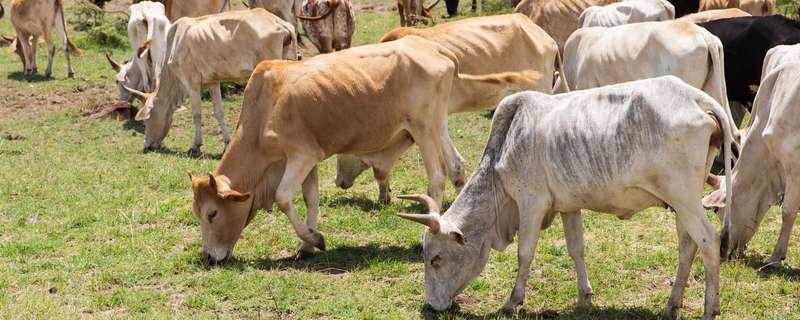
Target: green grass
(92,228)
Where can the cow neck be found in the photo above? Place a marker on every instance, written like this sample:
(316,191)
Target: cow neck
(170,93)
(476,209)
(244,167)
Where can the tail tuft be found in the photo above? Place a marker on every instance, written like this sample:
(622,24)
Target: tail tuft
(74,49)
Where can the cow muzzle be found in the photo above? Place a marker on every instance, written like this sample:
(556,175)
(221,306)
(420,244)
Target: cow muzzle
(209,260)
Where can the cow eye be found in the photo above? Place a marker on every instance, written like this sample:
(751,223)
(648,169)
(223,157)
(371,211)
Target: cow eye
(212,215)
(435,261)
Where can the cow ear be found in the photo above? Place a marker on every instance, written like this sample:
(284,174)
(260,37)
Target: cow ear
(457,236)
(715,200)
(233,195)
(144,113)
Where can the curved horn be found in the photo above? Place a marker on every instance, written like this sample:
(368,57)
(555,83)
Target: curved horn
(424,199)
(137,94)
(430,220)
(331,9)
(114,64)
(433,5)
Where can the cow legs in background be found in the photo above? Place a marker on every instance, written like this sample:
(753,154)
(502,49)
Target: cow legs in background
(573,231)
(791,203)
(298,167)
(311,198)
(196,98)
(216,98)
(65,44)
(455,168)
(531,213)
(51,52)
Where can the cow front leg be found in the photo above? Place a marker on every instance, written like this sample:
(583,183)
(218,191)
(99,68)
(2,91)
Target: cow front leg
(702,232)
(297,170)
(430,149)
(216,98)
(51,51)
(531,214)
(383,165)
(196,99)
(686,251)
(454,162)
(791,202)
(311,198)
(573,231)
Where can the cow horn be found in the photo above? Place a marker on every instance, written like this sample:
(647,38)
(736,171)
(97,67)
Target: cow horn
(137,94)
(430,220)
(331,9)
(425,200)
(114,64)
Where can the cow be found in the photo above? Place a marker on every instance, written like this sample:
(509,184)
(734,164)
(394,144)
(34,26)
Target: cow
(176,9)
(329,23)
(712,15)
(413,12)
(617,149)
(522,45)
(203,51)
(285,9)
(357,101)
(36,18)
(559,18)
(766,173)
(746,41)
(147,33)
(626,12)
(753,7)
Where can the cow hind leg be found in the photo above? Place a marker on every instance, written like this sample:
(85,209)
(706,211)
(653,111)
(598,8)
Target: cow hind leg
(686,252)
(311,198)
(384,165)
(573,231)
(34,44)
(791,203)
(51,52)
(531,213)
(196,98)
(298,168)
(216,98)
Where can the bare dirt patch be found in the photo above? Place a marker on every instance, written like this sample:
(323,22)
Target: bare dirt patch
(19,100)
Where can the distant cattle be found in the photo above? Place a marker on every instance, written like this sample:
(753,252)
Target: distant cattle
(618,149)
(177,9)
(358,101)
(521,46)
(329,23)
(32,19)
(559,18)
(626,12)
(203,51)
(767,171)
(746,41)
(753,7)
(413,12)
(711,15)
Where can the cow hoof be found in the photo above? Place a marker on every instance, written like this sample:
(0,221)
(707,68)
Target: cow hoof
(385,199)
(305,251)
(670,312)
(194,152)
(71,75)
(319,241)
(508,310)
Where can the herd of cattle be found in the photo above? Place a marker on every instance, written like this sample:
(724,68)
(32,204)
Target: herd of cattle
(632,117)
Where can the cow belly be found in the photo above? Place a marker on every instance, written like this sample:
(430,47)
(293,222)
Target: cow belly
(622,201)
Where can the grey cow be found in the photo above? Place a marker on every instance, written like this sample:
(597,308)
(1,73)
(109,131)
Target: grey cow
(616,149)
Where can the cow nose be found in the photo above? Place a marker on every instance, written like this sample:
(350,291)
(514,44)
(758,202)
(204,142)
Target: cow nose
(343,184)
(208,260)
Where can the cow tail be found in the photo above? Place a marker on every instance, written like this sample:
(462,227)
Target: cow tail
(60,20)
(727,133)
(717,74)
(561,74)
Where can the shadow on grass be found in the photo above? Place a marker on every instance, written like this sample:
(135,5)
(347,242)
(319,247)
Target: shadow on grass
(20,76)
(173,152)
(363,203)
(758,263)
(132,124)
(611,312)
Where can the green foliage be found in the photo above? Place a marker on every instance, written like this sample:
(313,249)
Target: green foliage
(102,29)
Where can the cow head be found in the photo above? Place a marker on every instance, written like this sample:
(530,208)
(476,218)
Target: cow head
(156,112)
(128,75)
(451,259)
(348,168)
(222,212)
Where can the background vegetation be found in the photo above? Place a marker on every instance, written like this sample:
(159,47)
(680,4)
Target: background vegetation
(90,227)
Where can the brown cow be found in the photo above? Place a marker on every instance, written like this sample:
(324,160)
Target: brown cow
(329,23)
(36,18)
(559,18)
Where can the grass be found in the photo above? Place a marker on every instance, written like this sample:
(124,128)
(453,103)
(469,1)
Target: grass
(92,228)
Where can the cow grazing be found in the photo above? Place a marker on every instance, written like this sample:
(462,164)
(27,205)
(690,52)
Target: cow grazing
(147,33)
(176,9)
(36,18)
(626,12)
(357,101)
(766,172)
(559,18)
(617,149)
(413,12)
(329,23)
(746,41)
(521,46)
(203,51)
(712,15)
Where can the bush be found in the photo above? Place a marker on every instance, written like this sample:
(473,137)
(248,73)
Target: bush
(105,30)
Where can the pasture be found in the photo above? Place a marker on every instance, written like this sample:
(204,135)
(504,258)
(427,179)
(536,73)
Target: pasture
(91,227)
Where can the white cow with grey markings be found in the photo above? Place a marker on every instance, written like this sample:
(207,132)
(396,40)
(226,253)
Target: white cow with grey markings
(768,166)
(616,149)
(626,12)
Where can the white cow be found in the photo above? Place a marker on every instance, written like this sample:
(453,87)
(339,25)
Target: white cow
(203,51)
(626,12)
(768,166)
(617,149)
(147,32)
